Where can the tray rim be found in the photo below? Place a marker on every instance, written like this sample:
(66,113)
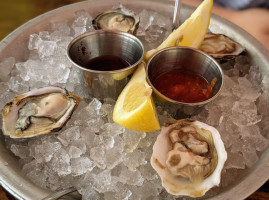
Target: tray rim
(258,49)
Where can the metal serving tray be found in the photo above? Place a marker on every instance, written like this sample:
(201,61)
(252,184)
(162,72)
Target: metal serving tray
(15,44)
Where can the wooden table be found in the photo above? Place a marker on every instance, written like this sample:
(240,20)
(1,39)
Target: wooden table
(16,12)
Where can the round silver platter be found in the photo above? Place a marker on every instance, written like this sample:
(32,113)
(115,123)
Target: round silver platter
(15,44)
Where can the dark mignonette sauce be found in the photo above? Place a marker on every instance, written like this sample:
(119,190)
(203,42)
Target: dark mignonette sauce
(106,63)
(184,86)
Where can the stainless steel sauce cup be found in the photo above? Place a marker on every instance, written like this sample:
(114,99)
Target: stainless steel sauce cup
(187,59)
(93,44)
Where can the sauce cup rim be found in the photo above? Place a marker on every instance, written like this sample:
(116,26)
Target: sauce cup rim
(179,102)
(86,34)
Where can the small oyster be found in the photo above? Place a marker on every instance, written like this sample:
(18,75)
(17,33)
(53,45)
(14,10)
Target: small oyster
(37,112)
(220,46)
(121,19)
(188,155)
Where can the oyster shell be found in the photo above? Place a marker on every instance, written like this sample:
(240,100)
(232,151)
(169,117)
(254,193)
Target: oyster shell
(37,112)
(121,19)
(188,155)
(220,46)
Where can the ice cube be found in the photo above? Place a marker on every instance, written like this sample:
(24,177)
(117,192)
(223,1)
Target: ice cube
(94,107)
(154,33)
(80,144)
(5,68)
(46,48)
(163,114)
(34,71)
(79,116)
(44,35)
(108,141)
(33,41)
(97,154)
(130,177)
(250,155)
(101,182)
(89,193)
(107,111)
(254,76)
(244,112)
(148,172)
(82,23)
(149,190)
(53,181)
(20,150)
(17,85)
(81,165)
(228,84)
(134,160)
(245,90)
(242,64)
(34,171)
(60,163)
(121,192)
(3,88)
(145,21)
(153,28)
(74,78)
(88,136)
(58,71)
(89,116)
(74,152)
(227,126)
(214,116)
(112,129)
(152,18)
(252,136)
(61,27)
(62,44)
(113,156)
(228,177)
(69,135)
(95,123)
(235,160)
(132,139)
(45,151)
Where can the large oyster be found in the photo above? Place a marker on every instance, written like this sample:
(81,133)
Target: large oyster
(188,155)
(121,19)
(37,112)
(220,46)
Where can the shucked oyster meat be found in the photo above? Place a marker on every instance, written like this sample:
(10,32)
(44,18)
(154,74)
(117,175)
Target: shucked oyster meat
(121,19)
(220,46)
(188,155)
(37,112)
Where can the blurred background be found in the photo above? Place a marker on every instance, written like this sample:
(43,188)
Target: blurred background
(16,12)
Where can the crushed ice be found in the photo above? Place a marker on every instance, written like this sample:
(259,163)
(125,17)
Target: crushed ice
(104,160)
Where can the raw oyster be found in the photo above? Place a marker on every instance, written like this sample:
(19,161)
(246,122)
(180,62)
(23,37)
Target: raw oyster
(37,112)
(120,19)
(188,155)
(220,46)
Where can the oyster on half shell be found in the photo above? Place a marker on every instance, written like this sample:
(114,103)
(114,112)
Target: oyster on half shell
(37,112)
(220,46)
(121,19)
(189,156)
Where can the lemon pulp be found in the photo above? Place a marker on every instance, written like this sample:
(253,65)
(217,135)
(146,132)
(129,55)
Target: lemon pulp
(135,108)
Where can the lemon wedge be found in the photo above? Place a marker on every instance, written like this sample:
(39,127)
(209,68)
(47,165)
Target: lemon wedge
(191,33)
(134,108)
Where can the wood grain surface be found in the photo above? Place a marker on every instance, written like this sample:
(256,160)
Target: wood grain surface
(16,12)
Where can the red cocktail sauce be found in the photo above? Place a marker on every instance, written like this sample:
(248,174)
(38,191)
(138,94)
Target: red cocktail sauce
(184,86)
